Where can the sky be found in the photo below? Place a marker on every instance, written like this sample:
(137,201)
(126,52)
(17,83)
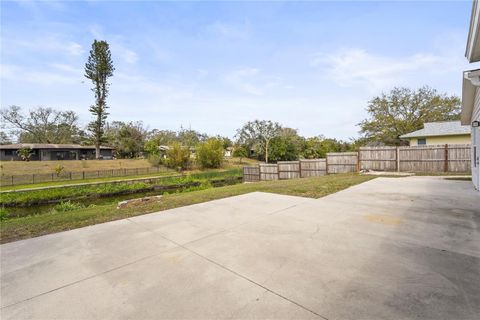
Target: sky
(212,66)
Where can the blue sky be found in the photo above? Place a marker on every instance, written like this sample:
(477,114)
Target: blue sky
(212,66)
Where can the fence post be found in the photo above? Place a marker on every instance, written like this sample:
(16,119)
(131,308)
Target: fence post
(326,164)
(83,175)
(358,161)
(12,179)
(397,157)
(33,178)
(445,168)
(52,176)
(70,175)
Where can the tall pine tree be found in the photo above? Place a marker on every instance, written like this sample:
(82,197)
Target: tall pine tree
(98,69)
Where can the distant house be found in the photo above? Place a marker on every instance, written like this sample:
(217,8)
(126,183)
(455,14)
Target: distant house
(471,92)
(229,152)
(42,152)
(446,132)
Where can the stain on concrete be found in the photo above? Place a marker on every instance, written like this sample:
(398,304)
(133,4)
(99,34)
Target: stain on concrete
(383,219)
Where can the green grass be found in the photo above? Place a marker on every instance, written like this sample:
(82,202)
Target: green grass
(460,178)
(36,225)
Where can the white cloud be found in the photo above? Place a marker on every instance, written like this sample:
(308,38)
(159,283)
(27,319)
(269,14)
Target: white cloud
(39,77)
(358,67)
(240,31)
(49,43)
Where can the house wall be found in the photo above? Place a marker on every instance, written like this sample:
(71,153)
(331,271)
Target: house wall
(457,139)
(52,154)
(475,142)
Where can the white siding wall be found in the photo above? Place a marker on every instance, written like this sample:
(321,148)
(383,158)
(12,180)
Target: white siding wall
(476,106)
(476,142)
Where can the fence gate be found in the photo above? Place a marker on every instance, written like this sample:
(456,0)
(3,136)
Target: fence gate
(342,162)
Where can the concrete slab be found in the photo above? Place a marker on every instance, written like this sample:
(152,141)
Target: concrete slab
(391,248)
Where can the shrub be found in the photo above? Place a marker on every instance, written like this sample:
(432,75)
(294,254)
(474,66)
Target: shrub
(25,154)
(210,153)
(240,152)
(155,160)
(59,169)
(67,206)
(3,214)
(178,156)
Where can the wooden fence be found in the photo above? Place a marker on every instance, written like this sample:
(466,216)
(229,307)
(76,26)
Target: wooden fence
(435,158)
(342,162)
(285,170)
(439,158)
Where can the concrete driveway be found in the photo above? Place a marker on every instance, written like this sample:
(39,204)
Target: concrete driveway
(390,248)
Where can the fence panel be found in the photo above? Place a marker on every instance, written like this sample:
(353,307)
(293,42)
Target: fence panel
(378,159)
(342,162)
(459,157)
(251,174)
(422,158)
(313,168)
(288,169)
(268,172)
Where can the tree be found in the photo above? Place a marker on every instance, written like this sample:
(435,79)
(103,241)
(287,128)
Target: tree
(318,147)
(4,138)
(287,146)
(240,151)
(25,154)
(210,153)
(178,156)
(43,125)
(98,69)
(405,110)
(258,134)
(190,138)
(128,138)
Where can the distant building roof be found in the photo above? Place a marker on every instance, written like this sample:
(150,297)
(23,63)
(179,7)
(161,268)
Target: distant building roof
(49,146)
(446,128)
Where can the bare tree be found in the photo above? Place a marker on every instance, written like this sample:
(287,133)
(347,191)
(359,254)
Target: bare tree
(43,125)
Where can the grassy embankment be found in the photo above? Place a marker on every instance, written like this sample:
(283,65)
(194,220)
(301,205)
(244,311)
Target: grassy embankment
(55,221)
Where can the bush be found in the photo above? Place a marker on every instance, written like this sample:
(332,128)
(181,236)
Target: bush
(210,153)
(155,160)
(178,156)
(59,169)
(3,214)
(67,206)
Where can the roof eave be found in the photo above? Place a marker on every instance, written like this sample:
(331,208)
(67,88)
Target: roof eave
(472,51)
(468,99)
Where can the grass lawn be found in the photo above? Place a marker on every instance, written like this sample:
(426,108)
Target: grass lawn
(36,225)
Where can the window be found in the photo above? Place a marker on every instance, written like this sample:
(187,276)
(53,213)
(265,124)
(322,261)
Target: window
(9,152)
(421,142)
